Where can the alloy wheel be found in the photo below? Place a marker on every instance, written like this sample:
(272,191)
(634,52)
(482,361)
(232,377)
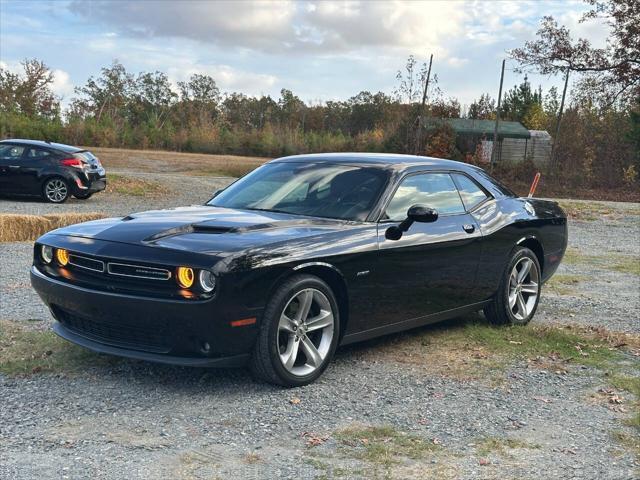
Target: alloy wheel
(524,288)
(305,332)
(55,190)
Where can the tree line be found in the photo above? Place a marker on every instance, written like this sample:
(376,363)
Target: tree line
(598,143)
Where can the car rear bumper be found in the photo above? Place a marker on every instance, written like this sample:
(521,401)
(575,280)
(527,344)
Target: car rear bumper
(91,182)
(97,185)
(195,333)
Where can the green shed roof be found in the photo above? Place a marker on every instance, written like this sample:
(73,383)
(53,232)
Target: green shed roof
(483,127)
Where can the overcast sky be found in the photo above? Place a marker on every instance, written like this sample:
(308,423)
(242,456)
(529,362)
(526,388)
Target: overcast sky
(320,50)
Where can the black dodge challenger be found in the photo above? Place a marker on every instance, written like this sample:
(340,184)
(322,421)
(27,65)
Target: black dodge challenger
(299,256)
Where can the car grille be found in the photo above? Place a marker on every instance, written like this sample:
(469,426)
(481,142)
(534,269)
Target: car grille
(86,263)
(138,271)
(145,335)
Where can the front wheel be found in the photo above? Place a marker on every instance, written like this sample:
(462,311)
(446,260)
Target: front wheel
(299,333)
(517,298)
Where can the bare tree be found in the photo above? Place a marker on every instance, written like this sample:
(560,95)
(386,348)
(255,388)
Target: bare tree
(607,74)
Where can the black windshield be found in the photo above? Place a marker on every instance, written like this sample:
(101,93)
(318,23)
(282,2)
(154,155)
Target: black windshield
(320,190)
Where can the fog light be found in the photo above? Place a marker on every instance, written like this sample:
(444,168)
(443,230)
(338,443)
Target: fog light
(62,256)
(185,277)
(46,253)
(207,280)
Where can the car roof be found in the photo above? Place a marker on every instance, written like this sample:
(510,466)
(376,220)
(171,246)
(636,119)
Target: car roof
(40,143)
(383,160)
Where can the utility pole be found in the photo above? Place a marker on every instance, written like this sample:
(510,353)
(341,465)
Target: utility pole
(494,150)
(422,111)
(556,138)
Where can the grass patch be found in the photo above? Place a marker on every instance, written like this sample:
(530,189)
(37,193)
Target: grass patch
(501,446)
(594,210)
(626,382)
(588,211)
(137,187)
(331,471)
(24,352)
(630,384)
(24,228)
(158,161)
(609,261)
(477,350)
(382,445)
(630,265)
(564,284)
(629,441)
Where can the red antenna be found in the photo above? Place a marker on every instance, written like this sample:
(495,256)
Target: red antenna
(534,184)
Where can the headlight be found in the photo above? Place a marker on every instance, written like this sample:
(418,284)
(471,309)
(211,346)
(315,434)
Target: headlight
(207,280)
(62,256)
(46,253)
(185,277)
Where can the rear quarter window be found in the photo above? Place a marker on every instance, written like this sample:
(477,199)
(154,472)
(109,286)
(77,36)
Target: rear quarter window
(495,187)
(471,193)
(39,153)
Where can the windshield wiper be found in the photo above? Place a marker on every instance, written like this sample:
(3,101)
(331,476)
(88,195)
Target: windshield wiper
(273,211)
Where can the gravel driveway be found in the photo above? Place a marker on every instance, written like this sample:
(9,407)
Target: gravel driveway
(126,419)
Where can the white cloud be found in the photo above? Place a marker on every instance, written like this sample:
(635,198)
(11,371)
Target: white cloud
(62,85)
(595,30)
(254,24)
(456,62)
(326,27)
(227,77)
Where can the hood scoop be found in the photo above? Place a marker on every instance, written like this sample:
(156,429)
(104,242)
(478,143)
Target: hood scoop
(185,229)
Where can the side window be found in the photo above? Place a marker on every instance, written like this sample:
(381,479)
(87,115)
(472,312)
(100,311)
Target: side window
(11,152)
(470,192)
(435,190)
(38,153)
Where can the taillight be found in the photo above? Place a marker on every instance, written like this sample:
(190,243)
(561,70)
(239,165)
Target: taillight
(72,162)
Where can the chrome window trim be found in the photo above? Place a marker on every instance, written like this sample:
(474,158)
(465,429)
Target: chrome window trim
(168,272)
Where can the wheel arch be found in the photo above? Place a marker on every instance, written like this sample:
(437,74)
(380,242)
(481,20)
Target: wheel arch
(332,276)
(535,245)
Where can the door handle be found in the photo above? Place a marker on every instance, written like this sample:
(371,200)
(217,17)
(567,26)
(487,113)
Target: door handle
(467,227)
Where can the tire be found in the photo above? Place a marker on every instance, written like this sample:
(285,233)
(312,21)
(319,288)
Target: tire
(516,301)
(83,196)
(281,337)
(55,190)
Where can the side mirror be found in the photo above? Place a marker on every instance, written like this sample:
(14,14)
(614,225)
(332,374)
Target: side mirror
(422,214)
(416,213)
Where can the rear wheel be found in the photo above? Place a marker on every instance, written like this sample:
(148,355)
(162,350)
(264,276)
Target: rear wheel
(55,190)
(519,293)
(299,333)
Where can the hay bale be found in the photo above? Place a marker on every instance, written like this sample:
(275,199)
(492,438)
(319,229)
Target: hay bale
(59,220)
(24,228)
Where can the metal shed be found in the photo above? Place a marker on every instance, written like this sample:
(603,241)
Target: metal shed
(516,143)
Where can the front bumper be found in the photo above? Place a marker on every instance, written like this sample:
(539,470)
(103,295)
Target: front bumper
(196,333)
(220,362)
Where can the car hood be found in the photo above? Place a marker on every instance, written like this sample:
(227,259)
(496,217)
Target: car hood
(204,229)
